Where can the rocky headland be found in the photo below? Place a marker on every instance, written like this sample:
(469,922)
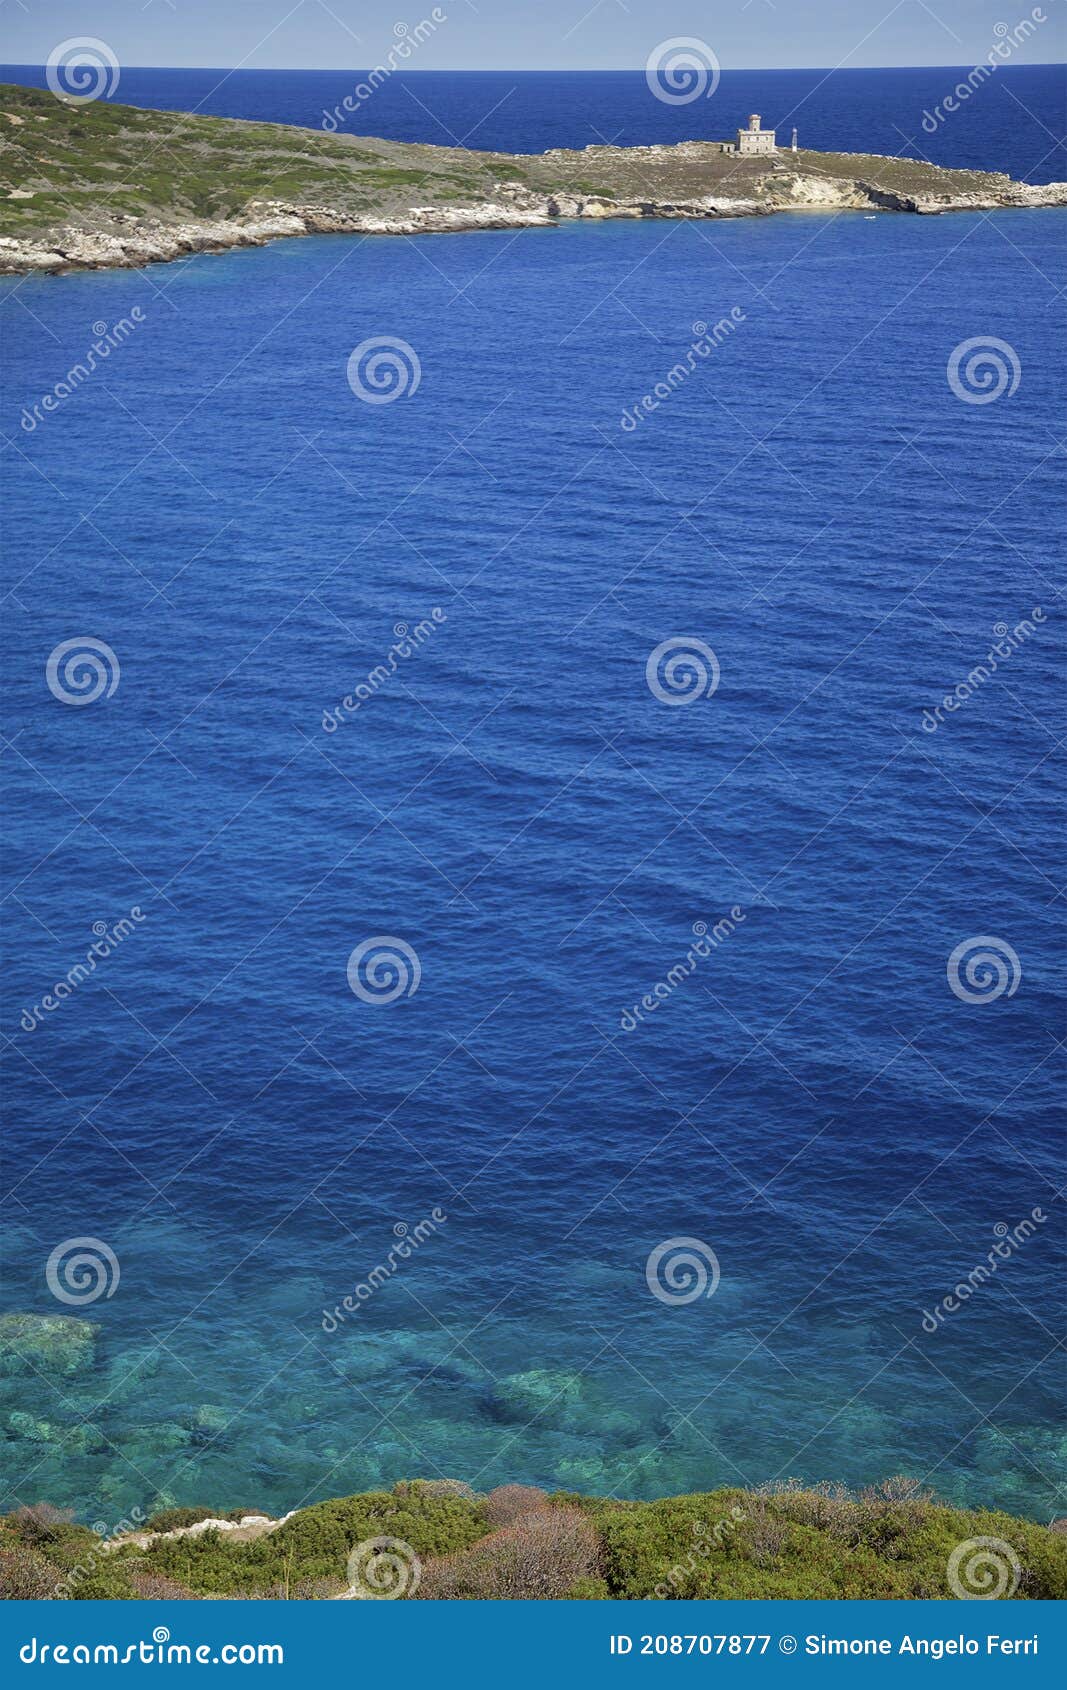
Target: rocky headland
(102,185)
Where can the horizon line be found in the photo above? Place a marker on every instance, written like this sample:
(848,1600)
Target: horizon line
(554,70)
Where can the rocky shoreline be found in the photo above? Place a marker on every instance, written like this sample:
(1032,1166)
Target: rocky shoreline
(132,242)
(102,186)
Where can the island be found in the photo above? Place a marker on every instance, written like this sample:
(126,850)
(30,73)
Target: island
(101,185)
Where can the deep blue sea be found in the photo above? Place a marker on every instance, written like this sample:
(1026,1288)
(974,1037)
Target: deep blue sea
(537,817)
(1013,121)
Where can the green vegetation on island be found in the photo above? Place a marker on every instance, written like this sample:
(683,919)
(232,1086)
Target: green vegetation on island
(442,1541)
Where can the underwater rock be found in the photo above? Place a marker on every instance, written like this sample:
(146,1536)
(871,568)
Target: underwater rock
(583,1473)
(1008,1460)
(618,1428)
(208,1423)
(363,1356)
(54,1344)
(541,1394)
(126,1374)
(81,1440)
(75,1440)
(35,1431)
(144,1444)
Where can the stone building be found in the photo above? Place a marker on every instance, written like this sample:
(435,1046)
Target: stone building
(754,139)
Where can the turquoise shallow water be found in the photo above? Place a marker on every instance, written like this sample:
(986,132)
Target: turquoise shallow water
(812,1103)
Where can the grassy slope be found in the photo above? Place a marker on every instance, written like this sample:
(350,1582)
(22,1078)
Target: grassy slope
(84,164)
(793,1543)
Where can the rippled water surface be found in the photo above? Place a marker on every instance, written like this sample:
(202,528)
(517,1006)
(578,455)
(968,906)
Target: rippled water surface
(810,1101)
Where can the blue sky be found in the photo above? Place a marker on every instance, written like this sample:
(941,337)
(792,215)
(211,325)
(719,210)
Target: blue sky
(529,34)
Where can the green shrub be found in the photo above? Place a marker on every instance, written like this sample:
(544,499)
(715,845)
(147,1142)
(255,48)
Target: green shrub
(587,1590)
(312,1548)
(732,1544)
(39,1522)
(39,1545)
(892,1541)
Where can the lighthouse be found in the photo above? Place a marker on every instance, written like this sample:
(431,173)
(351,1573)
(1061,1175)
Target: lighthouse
(756,139)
